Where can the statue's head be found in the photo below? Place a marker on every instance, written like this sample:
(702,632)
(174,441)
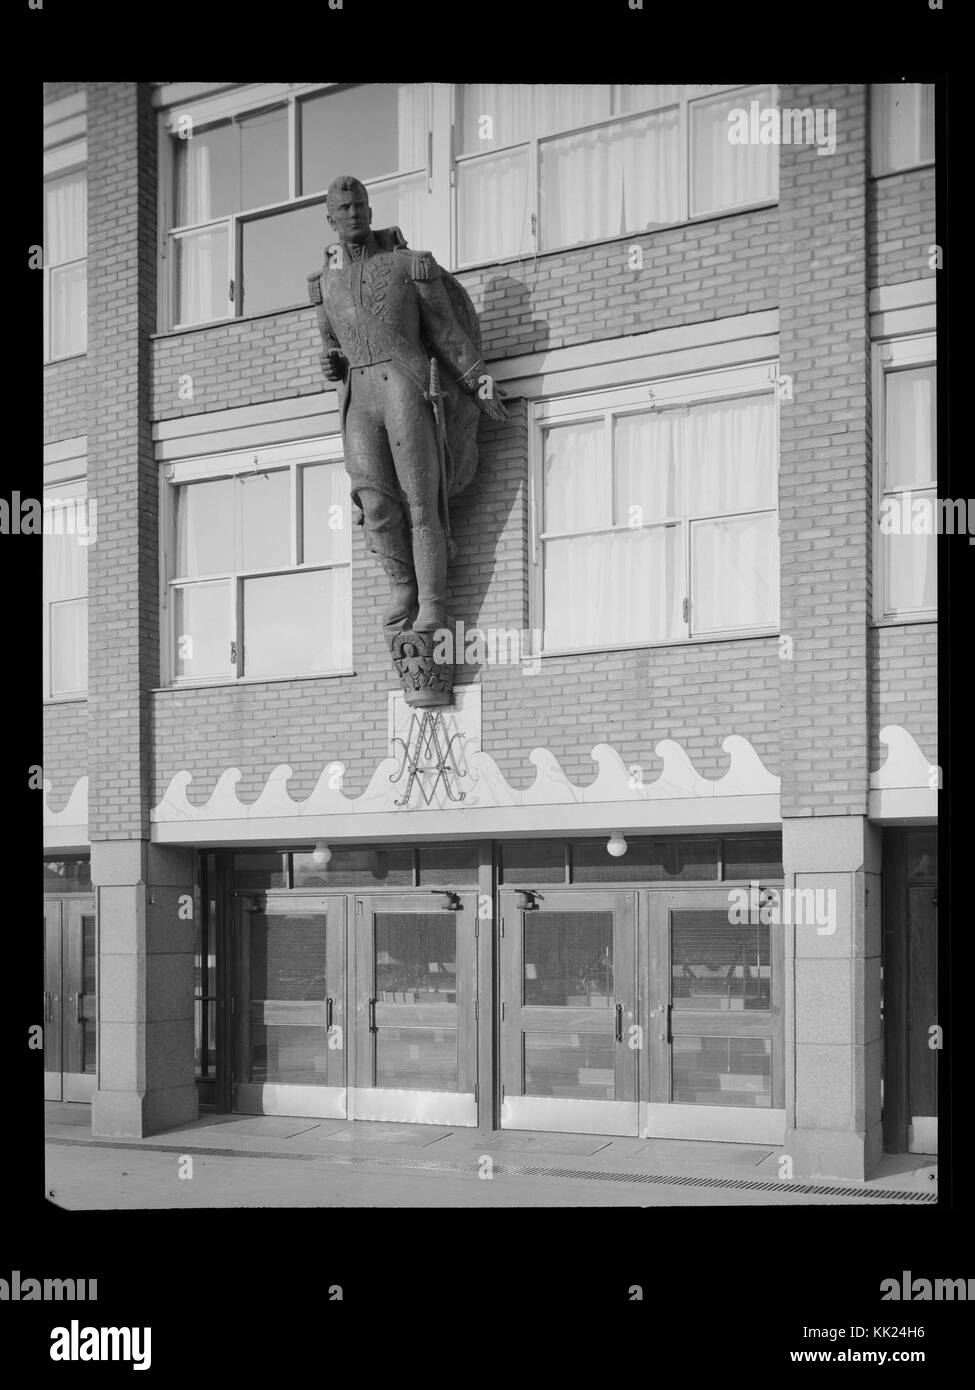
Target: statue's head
(349,213)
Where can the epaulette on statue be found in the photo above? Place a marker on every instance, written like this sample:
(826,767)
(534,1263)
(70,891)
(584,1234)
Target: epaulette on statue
(422,264)
(315,287)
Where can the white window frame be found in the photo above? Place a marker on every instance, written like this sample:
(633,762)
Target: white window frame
(879,166)
(73,474)
(667,394)
(231,465)
(915,350)
(691,95)
(209,111)
(69,158)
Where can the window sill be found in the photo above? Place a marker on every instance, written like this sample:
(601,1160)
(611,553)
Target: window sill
(213,684)
(907,169)
(908,620)
(66,699)
(559,653)
(224,323)
(71,357)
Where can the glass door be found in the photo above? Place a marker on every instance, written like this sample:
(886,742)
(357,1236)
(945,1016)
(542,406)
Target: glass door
(52,999)
(714,987)
(416,987)
(70,1028)
(288,1002)
(569,1035)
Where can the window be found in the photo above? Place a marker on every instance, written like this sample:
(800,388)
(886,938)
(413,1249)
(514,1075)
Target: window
(906,477)
(260,565)
(655,512)
(66,536)
(248,223)
(65,264)
(901,126)
(541,167)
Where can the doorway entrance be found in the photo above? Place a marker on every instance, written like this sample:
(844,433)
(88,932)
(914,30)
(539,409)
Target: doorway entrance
(70,965)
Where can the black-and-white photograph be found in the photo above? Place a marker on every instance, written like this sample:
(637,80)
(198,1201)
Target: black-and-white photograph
(492,542)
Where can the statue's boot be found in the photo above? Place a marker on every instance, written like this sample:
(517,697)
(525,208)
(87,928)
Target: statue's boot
(430,562)
(390,543)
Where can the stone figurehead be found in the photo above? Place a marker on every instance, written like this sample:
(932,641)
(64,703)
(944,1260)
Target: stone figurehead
(400,338)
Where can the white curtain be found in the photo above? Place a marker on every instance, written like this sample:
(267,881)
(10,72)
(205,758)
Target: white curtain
(733,567)
(910,562)
(66,219)
(723,174)
(508,104)
(66,240)
(610,589)
(492,206)
(577,493)
(609,181)
(201,256)
(730,455)
(65,586)
(646,450)
(412,125)
(910,427)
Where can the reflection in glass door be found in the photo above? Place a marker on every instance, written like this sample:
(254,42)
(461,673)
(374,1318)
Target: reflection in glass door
(715,1040)
(569,1041)
(289,1005)
(416,985)
(70,964)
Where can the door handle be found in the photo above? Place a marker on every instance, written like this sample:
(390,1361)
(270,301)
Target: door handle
(372,1016)
(79,1016)
(619,1023)
(666,1036)
(48,1010)
(328,1013)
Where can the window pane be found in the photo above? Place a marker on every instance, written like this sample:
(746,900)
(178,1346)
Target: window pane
(581,1065)
(69,310)
(207,175)
(290,1055)
(69,646)
(645,449)
(902,131)
(67,522)
(278,253)
(416,957)
(265,519)
(295,623)
(569,959)
(922,854)
(625,586)
(403,204)
(287,956)
(355,868)
(203,276)
(493,207)
(628,97)
(576,479)
(759,858)
(264,158)
(730,455)
(370,130)
(723,1071)
(563,106)
(611,180)
(723,174)
(717,964)
(733,573)
(67,875)
(66,218)
(910,426)
(417,1059)
(911,565)
(651,861)
(538,861)
(448,864)
(205,528)
(325,517)
(493,114)
(203,630)
(260,871)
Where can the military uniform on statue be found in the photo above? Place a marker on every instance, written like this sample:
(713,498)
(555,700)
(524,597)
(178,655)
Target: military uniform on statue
(400,338)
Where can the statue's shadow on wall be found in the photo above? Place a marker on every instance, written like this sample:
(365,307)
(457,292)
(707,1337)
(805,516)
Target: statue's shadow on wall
(488,519)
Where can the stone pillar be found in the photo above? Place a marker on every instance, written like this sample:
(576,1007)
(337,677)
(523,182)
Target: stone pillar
(146,929)
(145,978)
(833,1089)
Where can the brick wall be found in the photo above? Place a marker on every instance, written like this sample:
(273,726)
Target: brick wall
(690,274)
(122,474)
(904,686)
(900,223)
(824,469)
(65,399)
(65,749)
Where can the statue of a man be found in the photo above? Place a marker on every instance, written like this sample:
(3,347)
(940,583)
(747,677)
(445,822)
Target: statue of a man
(400,337)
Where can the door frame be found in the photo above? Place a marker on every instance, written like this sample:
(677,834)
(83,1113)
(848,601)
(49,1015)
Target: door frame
(330,1100)
(367,1013)
(556,1113)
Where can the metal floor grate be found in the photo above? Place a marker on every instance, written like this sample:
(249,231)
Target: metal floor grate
(532,1170)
